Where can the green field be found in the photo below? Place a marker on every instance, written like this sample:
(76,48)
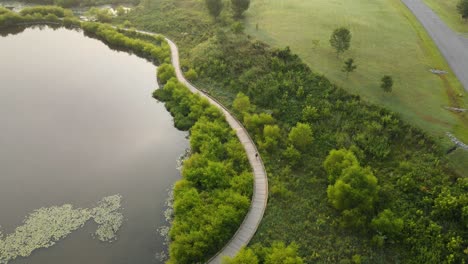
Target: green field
(447,10)
(387,39)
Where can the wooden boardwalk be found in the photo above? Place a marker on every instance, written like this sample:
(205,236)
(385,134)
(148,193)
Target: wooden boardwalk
(260,194)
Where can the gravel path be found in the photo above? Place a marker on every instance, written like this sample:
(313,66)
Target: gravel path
(453,46)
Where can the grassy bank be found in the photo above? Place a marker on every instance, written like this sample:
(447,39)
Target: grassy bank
(447,10)
(387,39)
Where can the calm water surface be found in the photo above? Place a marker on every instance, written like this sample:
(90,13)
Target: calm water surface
(78,123)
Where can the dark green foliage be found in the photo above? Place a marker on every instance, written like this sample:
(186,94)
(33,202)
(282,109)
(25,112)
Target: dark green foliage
(349,66)
(214,7)
(387,83)
(462,8)
(340,39)
(239,7)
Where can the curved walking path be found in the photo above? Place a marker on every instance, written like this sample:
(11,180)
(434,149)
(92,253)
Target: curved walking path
(453,46)
(260,193)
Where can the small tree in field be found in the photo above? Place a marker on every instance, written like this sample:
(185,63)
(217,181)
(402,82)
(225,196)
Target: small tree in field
(387,83)
(462,8)
(239,7)
(340,40)
(349,66)
(214,7)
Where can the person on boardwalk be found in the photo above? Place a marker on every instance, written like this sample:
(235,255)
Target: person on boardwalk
(256,155)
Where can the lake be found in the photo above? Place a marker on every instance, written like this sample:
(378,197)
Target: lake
(78,123)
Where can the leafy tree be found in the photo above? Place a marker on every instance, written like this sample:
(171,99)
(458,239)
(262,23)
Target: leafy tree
(337,161)
(301,136)
(237,27)
(462,8)
(165,72)
(386,223)
(241,104)
(214,7)
(387,83)
(356,188)
(245,256)
(309,113)
(340,40)
(279,253)
(239,7)
(121,10)
(191,75)
(271,137)
(292,155)
(349,66)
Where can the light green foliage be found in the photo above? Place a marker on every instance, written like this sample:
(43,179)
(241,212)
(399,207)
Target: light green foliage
(158,53)
(214,195)
(241,104)
(191,75)
(381,40)
(300,136)
(340,39)
(309,113)
(237,27)
(279,253)
(337,161)
(45,10)
(45,226)
(355,188)
(256,122)
(239,7)
(292,155)
(165,72)
(245,256)
(120,10)
(271,138)
(103,15)
(388,224)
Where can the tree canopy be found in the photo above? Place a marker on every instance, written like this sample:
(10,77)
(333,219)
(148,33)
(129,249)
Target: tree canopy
(340,40)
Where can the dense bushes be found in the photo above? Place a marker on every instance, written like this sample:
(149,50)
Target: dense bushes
(414,183)
(108,34)
(37,14)
(213,197)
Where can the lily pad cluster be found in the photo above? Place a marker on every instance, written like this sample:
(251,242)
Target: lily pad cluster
(47,225)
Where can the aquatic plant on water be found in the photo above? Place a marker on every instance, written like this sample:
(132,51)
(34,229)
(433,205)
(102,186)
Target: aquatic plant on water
(47,225)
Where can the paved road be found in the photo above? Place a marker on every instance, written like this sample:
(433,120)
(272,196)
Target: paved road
(453,46)
(260,195)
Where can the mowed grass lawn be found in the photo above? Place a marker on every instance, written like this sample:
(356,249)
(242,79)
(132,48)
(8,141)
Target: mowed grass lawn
(387,40)
(447,10)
